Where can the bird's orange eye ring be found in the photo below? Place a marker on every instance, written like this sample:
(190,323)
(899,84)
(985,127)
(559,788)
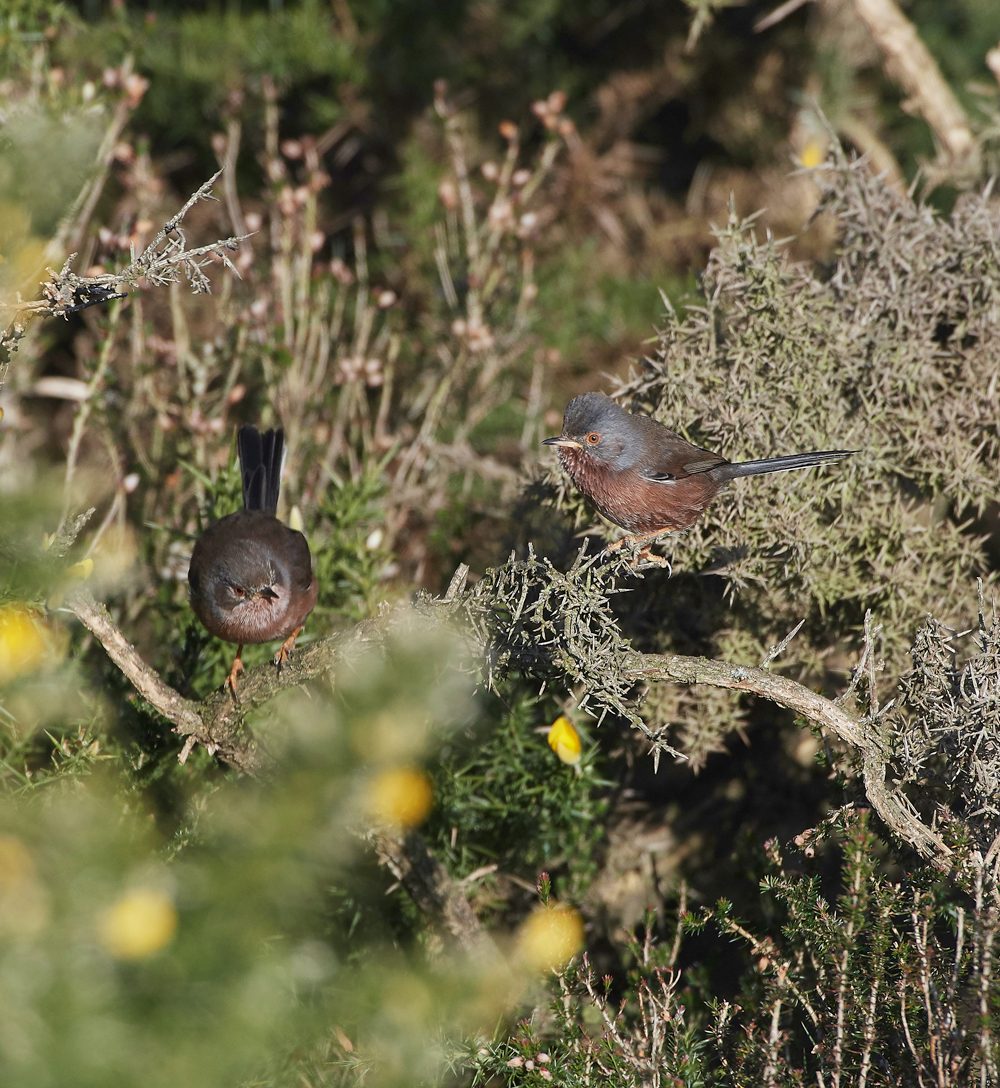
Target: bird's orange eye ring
(593,438)
(238,591)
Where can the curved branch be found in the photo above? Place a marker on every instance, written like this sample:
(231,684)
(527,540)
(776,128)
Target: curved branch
(768,685)
(891,805)
(909,61)
(218,722)
(147,682)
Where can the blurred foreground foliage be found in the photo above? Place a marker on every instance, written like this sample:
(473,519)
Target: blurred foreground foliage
(130,958)
(422,278)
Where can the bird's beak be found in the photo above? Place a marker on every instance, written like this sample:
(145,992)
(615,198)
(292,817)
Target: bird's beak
(561,442)
(268,593)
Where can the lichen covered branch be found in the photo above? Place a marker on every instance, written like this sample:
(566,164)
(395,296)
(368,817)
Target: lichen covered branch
(547,622)
(910,63)
(165,260)
(891,805)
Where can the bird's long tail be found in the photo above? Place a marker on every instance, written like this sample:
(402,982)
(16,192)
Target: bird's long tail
(779,464)
(262,457)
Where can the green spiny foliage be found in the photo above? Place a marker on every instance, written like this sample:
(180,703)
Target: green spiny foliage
(945,731)
(504,799)
(890,352)
(532,619)
(889,984)
(346,540)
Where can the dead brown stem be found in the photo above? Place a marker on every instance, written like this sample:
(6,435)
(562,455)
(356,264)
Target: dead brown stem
(408,857)
(909,62)
(218,721)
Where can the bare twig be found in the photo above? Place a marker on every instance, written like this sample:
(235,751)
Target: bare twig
(165,260)
(777,651)
(782,11)
(909,61)
(457,583)
(409,859)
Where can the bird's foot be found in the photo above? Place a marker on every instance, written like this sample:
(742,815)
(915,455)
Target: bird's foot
(646,556)
(234,672)
(286,648)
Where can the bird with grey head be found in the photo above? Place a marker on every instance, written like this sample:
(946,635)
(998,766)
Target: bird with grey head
(251,578)
(646,478)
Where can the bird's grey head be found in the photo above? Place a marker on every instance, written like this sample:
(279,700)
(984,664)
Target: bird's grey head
(246,581)
(594,426)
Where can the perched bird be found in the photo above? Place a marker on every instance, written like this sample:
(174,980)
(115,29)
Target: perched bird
(251,577)
(645,478)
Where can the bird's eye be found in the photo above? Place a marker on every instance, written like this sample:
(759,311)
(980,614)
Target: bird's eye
(238,591)
(593,438)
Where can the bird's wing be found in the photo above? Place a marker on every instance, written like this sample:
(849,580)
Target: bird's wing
(704,462)
(657,477)
(300,561)
(667,456)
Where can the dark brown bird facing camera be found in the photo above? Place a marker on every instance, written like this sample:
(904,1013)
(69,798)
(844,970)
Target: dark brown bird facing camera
(644,477)
(251,577)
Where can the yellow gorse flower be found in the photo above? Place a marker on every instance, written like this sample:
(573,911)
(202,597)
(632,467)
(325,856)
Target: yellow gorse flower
(402,797)
(813,153)
(550,937)
(139,924)
(82,570)
(24,646)
(564,740)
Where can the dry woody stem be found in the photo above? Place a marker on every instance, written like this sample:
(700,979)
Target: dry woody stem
(909,61)
(218,722)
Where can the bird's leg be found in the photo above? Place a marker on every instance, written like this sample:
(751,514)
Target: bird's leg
(286,647)
(235,671)
(651,557)
(644,553)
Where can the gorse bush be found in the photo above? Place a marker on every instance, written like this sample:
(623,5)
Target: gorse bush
(890,351)
(113,934)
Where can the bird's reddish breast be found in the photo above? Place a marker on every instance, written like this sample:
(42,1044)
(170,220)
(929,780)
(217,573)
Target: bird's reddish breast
(638,505)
